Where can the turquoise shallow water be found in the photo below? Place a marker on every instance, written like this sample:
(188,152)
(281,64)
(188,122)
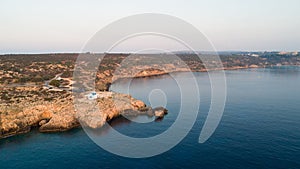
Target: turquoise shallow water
(260,128)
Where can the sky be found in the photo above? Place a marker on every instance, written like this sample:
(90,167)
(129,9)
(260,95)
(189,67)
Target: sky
(35,26)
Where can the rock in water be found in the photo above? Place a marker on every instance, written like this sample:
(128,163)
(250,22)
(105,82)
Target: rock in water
(160,112)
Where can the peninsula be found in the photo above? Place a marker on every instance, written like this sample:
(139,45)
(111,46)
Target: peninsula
(36,89)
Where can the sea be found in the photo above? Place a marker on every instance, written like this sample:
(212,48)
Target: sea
(259,128)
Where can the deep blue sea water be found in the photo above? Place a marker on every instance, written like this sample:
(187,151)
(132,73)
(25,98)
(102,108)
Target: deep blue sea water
(260,128)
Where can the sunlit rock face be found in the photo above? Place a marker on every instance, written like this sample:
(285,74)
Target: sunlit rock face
(61,114)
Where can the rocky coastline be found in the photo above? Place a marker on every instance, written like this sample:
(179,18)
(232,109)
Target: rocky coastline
(26,102)
(61,115)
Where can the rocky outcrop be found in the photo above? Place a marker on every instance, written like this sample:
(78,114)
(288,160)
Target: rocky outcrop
(95,115)
(62,115)
(60,122)
(21,122)
(160,112)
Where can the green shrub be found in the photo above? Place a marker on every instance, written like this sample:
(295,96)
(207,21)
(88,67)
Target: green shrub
(55,83)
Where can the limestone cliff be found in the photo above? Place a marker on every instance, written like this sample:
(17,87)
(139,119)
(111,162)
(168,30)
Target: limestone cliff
(62,115)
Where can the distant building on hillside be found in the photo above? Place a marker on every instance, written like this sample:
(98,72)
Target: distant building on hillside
(295,53)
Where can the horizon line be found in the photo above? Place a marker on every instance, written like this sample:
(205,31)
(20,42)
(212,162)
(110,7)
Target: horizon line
(180,51)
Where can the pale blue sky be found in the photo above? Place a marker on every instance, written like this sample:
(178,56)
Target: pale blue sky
(35,26)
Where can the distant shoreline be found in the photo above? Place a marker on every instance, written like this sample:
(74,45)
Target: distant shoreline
(225,69)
